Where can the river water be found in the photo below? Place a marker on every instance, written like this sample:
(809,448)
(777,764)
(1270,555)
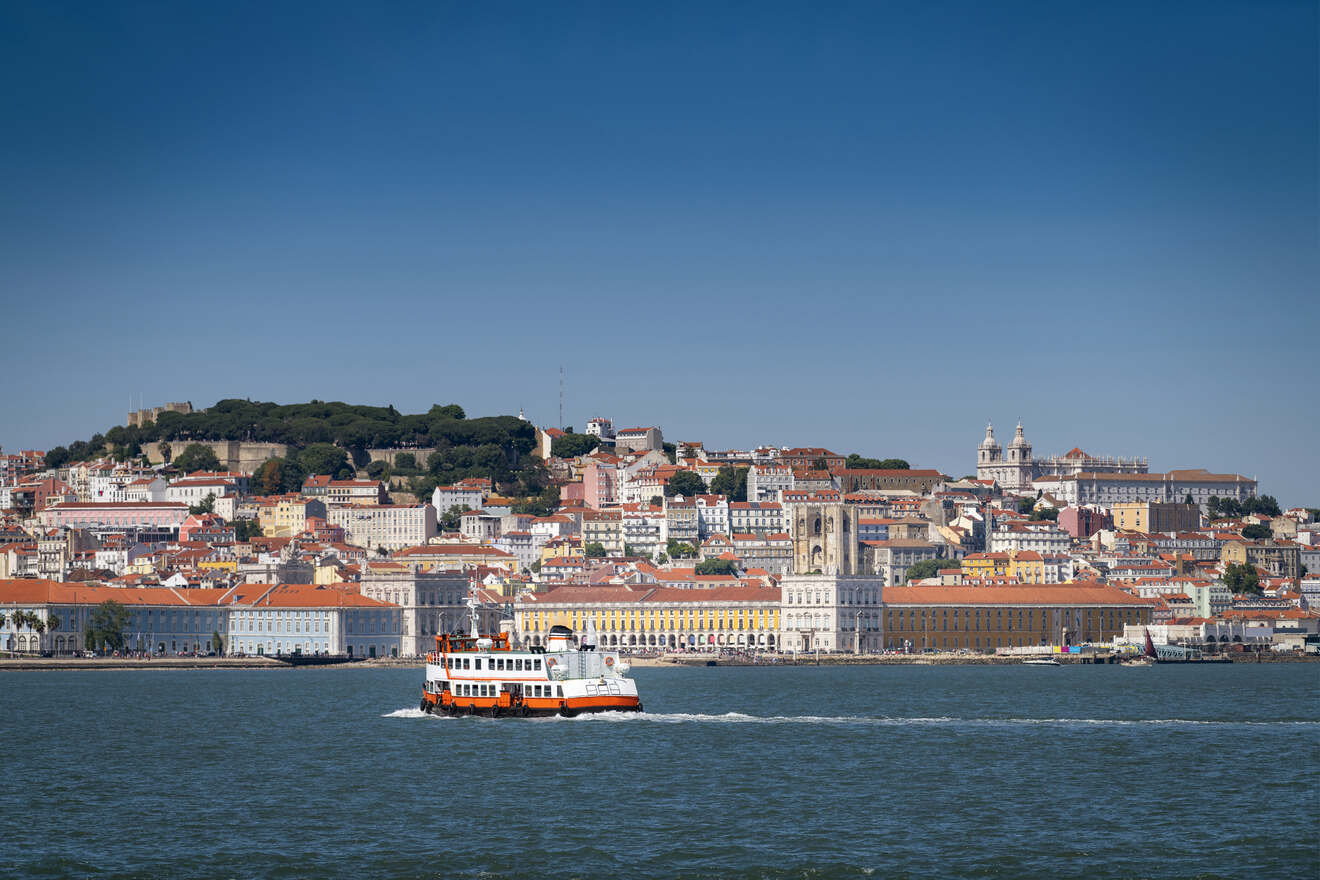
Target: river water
(801,772)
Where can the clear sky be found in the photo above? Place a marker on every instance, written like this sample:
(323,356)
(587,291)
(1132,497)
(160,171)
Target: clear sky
(865,226)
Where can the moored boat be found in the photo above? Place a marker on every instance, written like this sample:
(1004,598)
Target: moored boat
(487,675)
(1041,661)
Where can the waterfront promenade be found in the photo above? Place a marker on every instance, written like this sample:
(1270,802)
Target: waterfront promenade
(669,661)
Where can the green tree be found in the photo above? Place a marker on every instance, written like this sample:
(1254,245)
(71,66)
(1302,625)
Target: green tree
(929,568)
(1264,505)
(1256,532)
(680,549)
(1188,499)
(881,464)
(405,462)
(245,529)
(716,566)
(452,411)
(730,481)
(57,457)
(685,483)
(196,457)
(166,451)
(671,452)
(1242,578)
(206,506)
(217,642)
(107,624)
(452,518)
(628,550)
(1045,513)
(325,459)
(1026,505)
(378,470)
(572,445)
(657,501)
(594,550)
(542,504)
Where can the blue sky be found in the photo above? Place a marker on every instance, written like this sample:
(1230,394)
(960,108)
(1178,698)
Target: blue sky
(869,227)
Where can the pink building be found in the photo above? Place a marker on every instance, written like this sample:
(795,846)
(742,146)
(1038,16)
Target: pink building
(600,482)
(1083,522)
(116,515)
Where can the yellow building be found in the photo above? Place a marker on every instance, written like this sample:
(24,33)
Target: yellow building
(1156,516)
(986,618)
(656,618)
(561,548)
(283,516)
(985,565)
(1026,566)
(218,565)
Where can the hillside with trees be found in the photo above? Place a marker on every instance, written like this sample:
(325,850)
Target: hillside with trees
(333,439)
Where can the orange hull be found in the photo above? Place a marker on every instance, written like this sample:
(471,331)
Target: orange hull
(497,706)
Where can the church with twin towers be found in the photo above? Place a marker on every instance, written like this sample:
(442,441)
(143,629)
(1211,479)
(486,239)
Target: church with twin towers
(1016,469)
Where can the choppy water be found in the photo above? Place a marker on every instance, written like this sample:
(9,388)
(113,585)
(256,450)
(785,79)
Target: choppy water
(778,773)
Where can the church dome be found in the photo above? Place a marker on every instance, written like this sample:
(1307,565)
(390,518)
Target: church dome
(989,441)
(1019,439)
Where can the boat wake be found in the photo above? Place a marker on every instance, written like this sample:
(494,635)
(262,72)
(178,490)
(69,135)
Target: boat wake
(409,713)
(885,721)
(870,721)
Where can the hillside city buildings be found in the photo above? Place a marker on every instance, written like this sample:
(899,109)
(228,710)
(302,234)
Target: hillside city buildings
(660,547)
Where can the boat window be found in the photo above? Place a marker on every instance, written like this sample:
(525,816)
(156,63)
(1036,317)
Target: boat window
(517,665)
(476,663)
(465,663)
(536,663)
(559,689)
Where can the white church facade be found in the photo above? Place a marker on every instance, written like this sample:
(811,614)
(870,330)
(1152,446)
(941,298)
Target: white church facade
(1014,469)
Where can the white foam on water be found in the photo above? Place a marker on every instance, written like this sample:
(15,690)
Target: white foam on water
(856,720)
(871,721)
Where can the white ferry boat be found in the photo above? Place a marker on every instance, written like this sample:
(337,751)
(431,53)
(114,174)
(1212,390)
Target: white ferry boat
(485,675)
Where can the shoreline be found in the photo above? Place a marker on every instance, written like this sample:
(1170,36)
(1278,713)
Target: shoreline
(28,664)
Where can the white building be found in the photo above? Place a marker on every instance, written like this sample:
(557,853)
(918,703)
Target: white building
(195,491)
(522,546)
(1043,536)
(756,517)
(765,482)
(712,515)
(462,497)
(601,427)
(828,613)
(392,526)
(1106,490)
